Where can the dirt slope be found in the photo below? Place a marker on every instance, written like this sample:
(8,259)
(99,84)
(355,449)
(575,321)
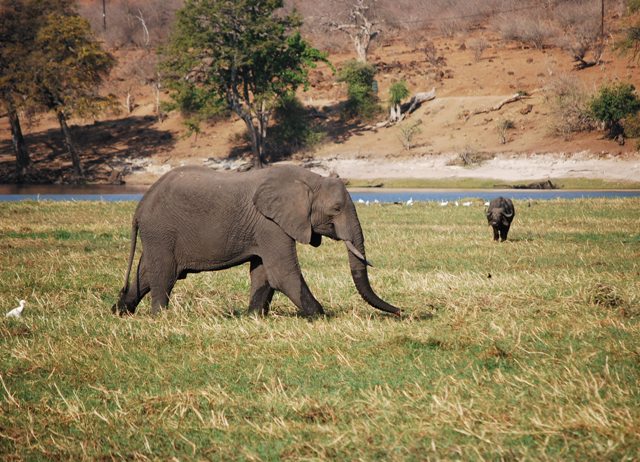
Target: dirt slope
(145,148)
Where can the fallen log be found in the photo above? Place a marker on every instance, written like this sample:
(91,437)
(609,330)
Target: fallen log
(415,102)
(511,99)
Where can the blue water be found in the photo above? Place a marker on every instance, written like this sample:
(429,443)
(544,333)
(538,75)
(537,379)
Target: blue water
(373,195)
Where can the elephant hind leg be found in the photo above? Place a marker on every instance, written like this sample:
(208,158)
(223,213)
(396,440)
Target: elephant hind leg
(162,278)
(129,299)
(261,290)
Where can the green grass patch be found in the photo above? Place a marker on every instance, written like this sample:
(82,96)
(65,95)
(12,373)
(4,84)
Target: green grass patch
(527,349)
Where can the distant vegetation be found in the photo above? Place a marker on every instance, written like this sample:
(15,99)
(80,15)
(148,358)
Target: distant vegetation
(49,61)
(36,33)
(612,104)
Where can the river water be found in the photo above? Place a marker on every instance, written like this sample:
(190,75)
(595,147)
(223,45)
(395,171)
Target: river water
(110,193)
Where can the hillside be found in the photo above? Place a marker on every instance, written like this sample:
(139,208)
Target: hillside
(137,148)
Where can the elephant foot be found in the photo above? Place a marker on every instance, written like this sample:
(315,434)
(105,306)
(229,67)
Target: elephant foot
(121,309)
(312,316)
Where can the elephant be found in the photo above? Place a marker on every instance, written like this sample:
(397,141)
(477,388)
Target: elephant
(500,214)
(195,219)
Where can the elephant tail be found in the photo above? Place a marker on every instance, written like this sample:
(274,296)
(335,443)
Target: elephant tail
(132,252)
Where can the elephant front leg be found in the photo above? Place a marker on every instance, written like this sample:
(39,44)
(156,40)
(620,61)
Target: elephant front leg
(261,290)
(287,278)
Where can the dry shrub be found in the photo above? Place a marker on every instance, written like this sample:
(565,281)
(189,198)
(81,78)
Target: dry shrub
(631,125)
(580,23)
(432,55)
(144,23)
(605,296)
(531,29)
(570,102)
(470,157)
(502,127)
(608,298)
(477,46)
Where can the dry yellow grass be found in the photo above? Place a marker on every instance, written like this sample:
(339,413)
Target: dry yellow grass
(539,361)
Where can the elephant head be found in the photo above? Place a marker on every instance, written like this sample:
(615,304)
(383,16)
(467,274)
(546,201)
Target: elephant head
(308,206)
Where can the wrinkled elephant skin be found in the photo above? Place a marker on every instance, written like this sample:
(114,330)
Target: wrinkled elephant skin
(194,219)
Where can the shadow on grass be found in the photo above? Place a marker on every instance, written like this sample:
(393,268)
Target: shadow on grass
(327,123)
(106,148)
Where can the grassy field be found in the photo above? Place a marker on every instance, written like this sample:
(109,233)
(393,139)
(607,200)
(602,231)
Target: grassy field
(533,351)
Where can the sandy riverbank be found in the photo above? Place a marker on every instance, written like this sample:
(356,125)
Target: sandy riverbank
(501,167)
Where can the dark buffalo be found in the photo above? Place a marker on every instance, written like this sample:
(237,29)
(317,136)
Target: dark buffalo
(500,215)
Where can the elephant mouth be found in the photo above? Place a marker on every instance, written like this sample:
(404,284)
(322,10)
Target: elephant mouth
(316,239)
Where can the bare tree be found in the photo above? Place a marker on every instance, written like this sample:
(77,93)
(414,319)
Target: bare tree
(360,25)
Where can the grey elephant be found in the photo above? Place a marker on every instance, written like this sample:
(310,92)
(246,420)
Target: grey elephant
(194,219)
(500,214)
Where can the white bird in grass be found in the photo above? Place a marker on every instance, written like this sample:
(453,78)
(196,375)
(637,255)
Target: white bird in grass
(410,201)
(17,311)
(486,204)
(444,203)
(466,204)
(360,201)
(456,203)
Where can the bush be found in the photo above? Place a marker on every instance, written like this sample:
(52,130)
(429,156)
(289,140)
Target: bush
(570,102)
(362,101)
(612,104)
(580,24)
(407,133)
(477,46)
(631,125)
(293,130)
(526,29)
(502,127)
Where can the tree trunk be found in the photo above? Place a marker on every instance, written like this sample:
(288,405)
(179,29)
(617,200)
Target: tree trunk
(256,143)
(75,158)
(361,48)
(19,146)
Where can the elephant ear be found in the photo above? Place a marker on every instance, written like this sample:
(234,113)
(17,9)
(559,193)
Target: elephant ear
(287,202)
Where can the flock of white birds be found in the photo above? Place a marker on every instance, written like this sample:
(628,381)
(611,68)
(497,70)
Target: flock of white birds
(410,203)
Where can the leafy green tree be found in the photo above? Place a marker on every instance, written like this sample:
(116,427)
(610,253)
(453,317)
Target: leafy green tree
(397,92)
(293,127)
(612,104)
(361,98)
(236,55)
(19,23)
(69,64)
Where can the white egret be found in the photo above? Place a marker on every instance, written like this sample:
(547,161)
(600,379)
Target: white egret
(17,311)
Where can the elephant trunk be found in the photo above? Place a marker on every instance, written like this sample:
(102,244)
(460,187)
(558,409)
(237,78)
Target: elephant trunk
(358,265)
